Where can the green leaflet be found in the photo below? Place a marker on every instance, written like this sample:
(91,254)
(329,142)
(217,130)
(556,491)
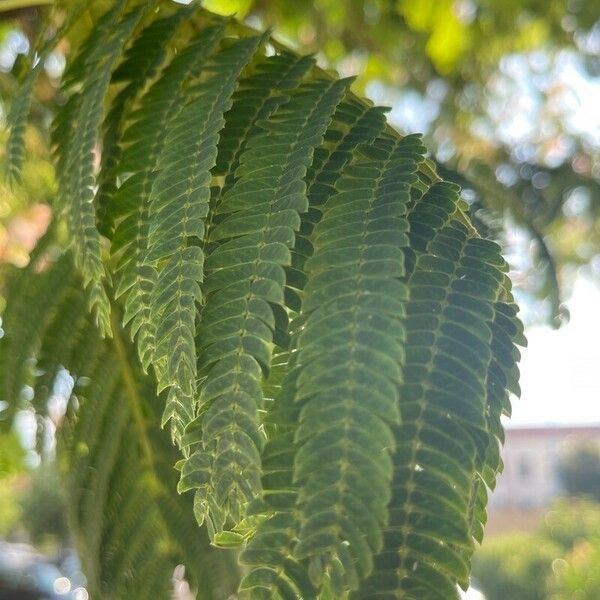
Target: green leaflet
(274,571)
(270,551)
(443,404)
(130,205)
(140,63)
(349,359)
(314,314)
(430,213)
(76,179)
(257,219)
(502,376)
(256,98)
(178,206)
(353,124)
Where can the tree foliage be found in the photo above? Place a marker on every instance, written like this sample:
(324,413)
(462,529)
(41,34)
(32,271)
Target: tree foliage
(579,470)
(515,566)
(557,562)
(246,254)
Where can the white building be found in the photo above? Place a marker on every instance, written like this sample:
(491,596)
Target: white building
(532,457)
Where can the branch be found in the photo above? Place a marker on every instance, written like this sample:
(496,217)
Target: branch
(8,5)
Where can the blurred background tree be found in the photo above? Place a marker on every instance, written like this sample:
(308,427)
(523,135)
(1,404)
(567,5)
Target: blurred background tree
(580,470)
(515,566)
(559,562)
(577,576)
(31,498)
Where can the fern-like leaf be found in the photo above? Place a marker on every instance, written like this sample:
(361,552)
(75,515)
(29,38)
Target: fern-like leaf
(257,97)
(77,181)
(178,206)
(258,217)
(21,105)
(349,359)
(140,63)
(270,553)
(144,141)
(443,404)
(15,146)
(131,527)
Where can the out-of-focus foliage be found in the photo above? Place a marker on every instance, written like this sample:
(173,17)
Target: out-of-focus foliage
(43,507)
(514,566)
(24,210)
(580,471)
(559,562)
(10,509)
(11,468)
(569,522)
(11,455)
(458,39)
(577,576)
(575,526)
(20,232)
(31,500)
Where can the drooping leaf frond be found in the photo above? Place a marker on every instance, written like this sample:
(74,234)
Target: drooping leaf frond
(144,139)
(15,147)
(21,105)
(296,293)
(353,124)
(178,206)
(22,320)
(350,355)
(258,216)
(256,98)
(76,176)
(140,63)
(444,399)
(132,528)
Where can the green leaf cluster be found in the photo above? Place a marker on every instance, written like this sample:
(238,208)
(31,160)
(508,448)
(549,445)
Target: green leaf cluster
(255,260)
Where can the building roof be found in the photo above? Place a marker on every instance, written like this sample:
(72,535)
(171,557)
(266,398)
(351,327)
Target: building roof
(553,430)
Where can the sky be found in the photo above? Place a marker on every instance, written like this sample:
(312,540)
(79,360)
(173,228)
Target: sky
(560,369)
